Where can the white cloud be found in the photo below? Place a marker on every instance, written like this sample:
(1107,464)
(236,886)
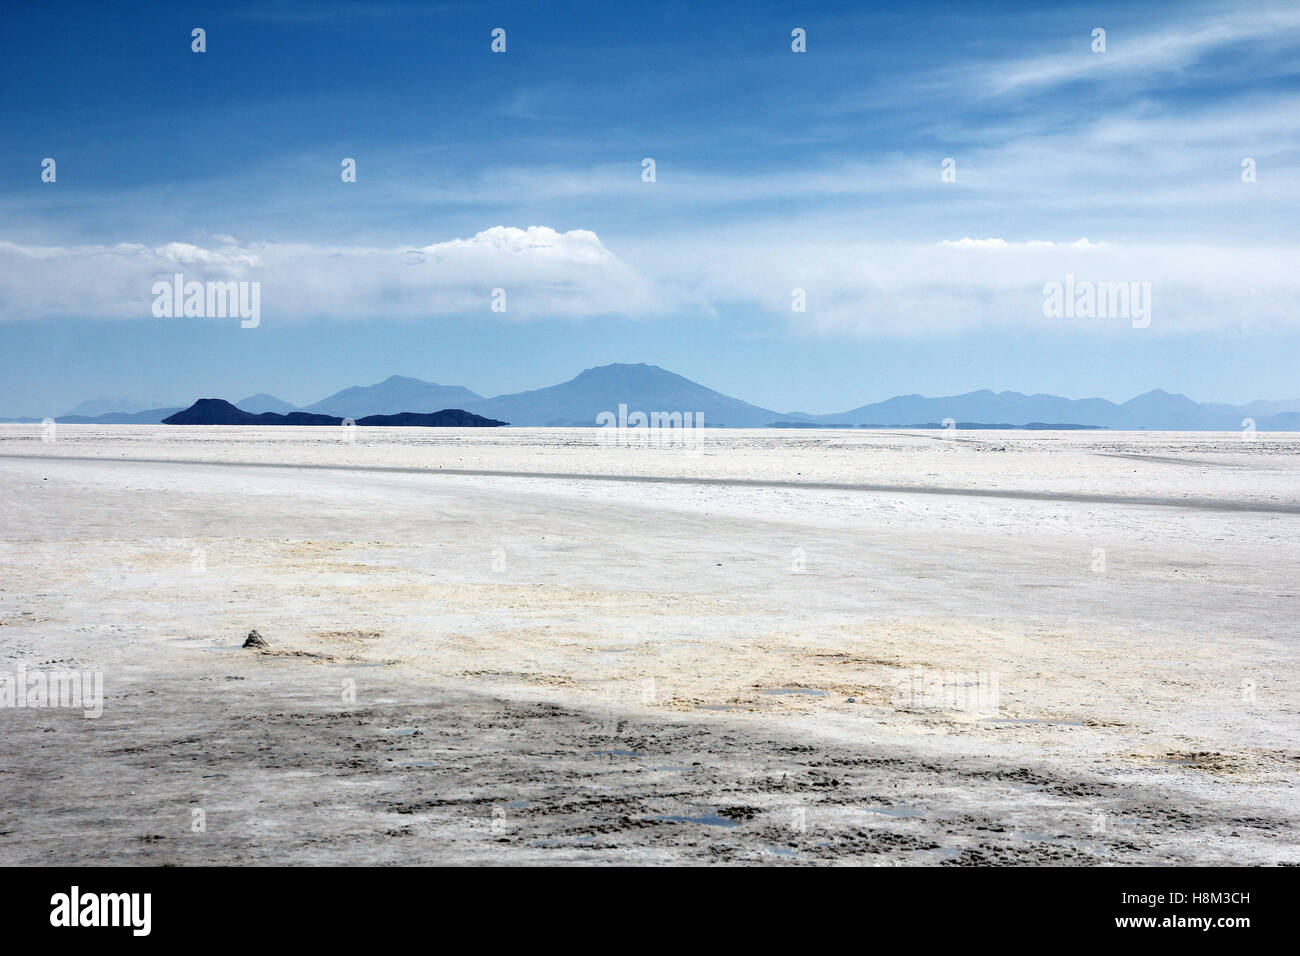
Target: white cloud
(871,289)
(853,287)
(968,243)
(543,272)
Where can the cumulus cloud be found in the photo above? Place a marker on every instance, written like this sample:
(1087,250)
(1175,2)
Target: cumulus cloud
(543,272)
(851,287)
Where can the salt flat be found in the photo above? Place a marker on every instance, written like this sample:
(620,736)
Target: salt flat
(533,645)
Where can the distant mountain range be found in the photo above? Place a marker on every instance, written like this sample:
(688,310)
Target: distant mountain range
(643,388)
(394,394)
(262,402)
(104,405)
(648,388)
(1155,409)
(150,417)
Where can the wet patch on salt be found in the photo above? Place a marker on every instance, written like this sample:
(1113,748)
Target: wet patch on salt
(807,691)
(900,812)
(708,820)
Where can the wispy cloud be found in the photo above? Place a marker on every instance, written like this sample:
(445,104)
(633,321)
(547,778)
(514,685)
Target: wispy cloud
(1169,48)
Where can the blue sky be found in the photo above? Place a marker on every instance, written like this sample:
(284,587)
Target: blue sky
(775,170)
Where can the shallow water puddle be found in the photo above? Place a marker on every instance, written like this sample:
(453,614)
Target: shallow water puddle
(806,691)
(894,811)
(781,850)
(708,820)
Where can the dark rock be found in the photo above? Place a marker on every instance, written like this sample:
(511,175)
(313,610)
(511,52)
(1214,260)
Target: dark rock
(447,418)
(255,640)
(216,411)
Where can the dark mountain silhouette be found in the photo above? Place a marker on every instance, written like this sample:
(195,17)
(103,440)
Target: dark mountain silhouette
(217,411)
(393,395)
(262,402)
(447,418)
(644,388)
